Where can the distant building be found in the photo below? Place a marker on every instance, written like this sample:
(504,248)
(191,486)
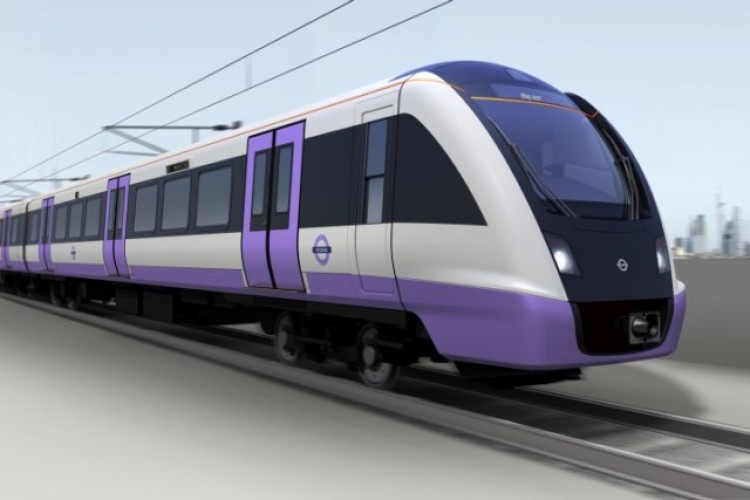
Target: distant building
(735,236)
(698,239)
(679,249)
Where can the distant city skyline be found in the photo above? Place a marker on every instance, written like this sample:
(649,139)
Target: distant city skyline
(669,75)
(731,230)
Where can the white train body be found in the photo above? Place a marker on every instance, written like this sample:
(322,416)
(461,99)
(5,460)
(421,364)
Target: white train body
(464,254)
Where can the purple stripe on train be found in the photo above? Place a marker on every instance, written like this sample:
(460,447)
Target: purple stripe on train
(80,270)
(227,280)
(35,267)
(346,288)
(465,323)
(339,289)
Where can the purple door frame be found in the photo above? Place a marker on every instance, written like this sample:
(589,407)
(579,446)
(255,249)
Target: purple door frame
(6,238)
(254,255)
(271,256)
(283,247)
(113,246)
(45,234)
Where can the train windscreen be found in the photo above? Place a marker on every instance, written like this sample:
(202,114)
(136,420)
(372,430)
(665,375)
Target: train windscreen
(564,155)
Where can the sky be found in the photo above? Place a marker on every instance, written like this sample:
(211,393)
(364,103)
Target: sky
(670,75)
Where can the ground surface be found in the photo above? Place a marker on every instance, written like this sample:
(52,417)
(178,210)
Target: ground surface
(88,414)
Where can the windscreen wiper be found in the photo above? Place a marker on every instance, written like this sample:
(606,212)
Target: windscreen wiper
(533,176)
(627,167)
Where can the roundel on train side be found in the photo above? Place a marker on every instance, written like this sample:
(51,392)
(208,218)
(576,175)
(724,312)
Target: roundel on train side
(322,249)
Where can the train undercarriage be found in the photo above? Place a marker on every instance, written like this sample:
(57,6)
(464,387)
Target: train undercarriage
(377,350)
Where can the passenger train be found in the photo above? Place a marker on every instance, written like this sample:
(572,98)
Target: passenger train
(465,212)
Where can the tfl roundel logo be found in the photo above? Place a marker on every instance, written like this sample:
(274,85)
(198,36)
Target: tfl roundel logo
(622,265)
(322,249)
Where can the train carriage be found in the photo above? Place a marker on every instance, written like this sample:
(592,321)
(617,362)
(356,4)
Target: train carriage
(465,211)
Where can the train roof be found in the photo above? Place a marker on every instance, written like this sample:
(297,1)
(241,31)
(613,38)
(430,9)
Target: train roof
(452,72)
(466,72)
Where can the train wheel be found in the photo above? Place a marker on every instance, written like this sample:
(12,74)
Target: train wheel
(373,371)
(285,340)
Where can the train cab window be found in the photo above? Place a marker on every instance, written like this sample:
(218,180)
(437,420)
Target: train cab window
(145,209)
(214,197)
(176,204)
(61,222)
(93,218)
(375,159)
(34,227)
(76,221)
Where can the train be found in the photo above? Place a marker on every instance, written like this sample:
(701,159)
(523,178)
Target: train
(463,212)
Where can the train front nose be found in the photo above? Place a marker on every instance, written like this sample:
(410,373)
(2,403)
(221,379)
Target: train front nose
(622,294)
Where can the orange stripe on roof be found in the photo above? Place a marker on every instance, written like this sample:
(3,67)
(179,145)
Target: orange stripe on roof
(533,103)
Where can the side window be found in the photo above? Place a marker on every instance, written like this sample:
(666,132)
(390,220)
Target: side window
(176,204)
(214,197)
(428,186)
(34,227)
(2,232)
(375,158)
(145,209)
(326,179)
(61,222)
(76,221)
(14,229)
(93,218)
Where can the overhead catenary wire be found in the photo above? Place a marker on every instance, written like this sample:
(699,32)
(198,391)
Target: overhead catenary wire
(261,83)
(185,87)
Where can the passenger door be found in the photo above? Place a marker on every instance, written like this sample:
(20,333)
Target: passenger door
(115,223)
(270,254)
(372,240)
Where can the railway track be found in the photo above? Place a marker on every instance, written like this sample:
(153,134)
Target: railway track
(685,457)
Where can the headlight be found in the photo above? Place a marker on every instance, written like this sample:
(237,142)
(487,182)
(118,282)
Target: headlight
(562,254)
(662,255)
